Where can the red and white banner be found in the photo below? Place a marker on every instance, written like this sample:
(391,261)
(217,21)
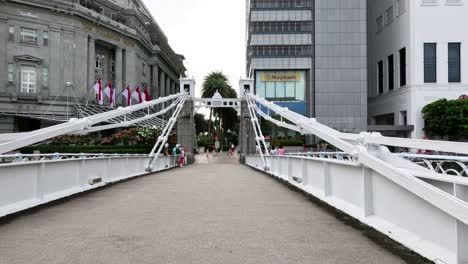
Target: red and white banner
(128,95)
(146,96)
(110,92)
(98,89)
(137,95)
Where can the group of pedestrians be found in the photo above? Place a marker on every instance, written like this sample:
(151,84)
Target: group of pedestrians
(178,152)
(277,152)
(272,151)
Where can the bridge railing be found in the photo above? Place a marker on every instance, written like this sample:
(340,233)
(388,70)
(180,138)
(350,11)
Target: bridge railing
(379,202)
(15,158)
(24,185)
(442,164)
(450,165)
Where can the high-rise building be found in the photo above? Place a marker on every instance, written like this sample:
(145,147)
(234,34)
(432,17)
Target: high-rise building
(417,53)
(311,56)
(52,51)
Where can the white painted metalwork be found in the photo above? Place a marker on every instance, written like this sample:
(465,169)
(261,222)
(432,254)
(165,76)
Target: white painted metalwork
(323,155)
(419,207)
(28,184)
(262,148)
(401,177)
(82,125)
(19,158)
(449,165)
(162,139)
(442,164)
(216,103)
(381,203)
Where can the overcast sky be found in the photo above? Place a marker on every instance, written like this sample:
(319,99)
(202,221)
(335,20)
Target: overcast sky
(209,33)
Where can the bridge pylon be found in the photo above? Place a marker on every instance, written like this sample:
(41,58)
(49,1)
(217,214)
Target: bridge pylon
(246,133)
(186,134)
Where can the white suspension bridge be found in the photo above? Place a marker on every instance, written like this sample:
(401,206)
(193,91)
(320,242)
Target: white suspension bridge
(416,200)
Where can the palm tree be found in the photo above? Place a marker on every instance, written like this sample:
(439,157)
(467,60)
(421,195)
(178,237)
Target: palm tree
(217,81)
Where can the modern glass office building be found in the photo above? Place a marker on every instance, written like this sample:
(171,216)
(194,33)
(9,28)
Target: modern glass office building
(311,56)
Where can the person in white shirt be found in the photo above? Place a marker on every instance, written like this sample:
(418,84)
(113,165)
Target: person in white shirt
(273,151)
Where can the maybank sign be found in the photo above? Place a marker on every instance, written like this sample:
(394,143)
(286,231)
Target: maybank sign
(289,76)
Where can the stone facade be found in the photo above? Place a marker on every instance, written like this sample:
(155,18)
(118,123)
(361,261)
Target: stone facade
(47,44)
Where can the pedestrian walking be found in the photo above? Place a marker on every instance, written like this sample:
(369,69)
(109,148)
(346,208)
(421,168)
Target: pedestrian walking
(166,149)
(273,151)
(232,149)
(177,152)
(182,157)
(281,151)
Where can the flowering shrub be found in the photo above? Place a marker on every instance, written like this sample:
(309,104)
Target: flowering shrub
(148,135)
(127,137)
(133,136)
(90,139)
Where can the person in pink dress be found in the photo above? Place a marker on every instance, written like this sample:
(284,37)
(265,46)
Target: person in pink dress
(281,151)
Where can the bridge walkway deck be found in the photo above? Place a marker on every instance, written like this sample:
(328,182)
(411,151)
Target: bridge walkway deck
(213,212)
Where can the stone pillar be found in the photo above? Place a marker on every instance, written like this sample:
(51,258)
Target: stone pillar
(91,62)
(168,92)
(168,85)
(177,86)
(155,85)
(186,130)
(246,133)
(131,75)
(162,84)
(173,87)
(118,70)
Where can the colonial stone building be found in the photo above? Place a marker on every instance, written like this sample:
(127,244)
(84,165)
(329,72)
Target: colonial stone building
(52,51)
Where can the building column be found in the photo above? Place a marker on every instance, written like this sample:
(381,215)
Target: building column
(118,70)
(162,87)
(173,87)
(169,91)
(168,85)
(177,85)
(162,84)
(130,68)
(91,62)
(155,84)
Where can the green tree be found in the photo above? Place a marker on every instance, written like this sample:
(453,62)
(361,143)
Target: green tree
(447,119)
(201,124)
(217,81)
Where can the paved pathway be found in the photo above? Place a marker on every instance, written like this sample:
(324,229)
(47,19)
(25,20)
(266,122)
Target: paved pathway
(205,213)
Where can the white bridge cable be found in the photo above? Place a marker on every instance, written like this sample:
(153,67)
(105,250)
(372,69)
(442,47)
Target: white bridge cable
(277,122)
(76,125)
(126,123)
(259,138)
(423,144)
(440,199)
(162,139)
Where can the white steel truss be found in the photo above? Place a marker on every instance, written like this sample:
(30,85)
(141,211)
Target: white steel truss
(10,142)
(162,139)
(376,157)
(216,103)
(366,151)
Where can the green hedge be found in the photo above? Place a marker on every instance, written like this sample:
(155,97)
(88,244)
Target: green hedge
(140,149)
(447,119)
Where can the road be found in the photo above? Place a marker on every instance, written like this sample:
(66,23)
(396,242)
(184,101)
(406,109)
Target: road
(215,211)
